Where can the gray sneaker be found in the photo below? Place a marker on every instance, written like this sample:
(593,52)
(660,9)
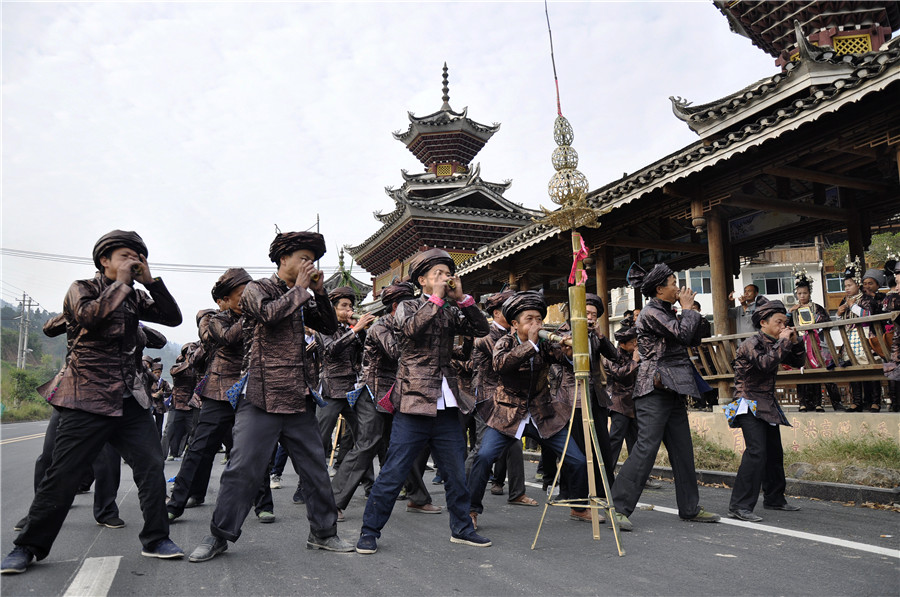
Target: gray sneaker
(623,522)
(704,516)
(333,543)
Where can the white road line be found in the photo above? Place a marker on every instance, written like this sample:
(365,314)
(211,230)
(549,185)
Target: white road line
(94,578)
(882,551)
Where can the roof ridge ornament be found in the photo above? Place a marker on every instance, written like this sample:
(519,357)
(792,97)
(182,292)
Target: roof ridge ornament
(680,106)
(446,89)
(807,50)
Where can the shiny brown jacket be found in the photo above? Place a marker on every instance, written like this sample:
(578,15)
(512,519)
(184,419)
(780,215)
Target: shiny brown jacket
(663,339)
(486,379)
(755,366)
(380,357)
(621,373)
(275,342)
(343,361)
(425,333)
(102,322)
(225,335)
(524,387)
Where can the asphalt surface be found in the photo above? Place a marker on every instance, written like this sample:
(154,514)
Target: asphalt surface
(664,555)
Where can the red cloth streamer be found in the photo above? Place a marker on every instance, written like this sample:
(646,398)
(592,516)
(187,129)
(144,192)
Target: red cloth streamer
(578,256)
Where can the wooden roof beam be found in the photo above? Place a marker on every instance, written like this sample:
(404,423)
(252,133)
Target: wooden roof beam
(826,178)
(634,242)
(820,212)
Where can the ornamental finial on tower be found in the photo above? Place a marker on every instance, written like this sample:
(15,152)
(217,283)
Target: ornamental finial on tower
(446,90)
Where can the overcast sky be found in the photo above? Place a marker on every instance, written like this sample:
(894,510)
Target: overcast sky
(202,125)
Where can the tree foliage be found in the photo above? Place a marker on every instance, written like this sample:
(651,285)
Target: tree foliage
(885,245)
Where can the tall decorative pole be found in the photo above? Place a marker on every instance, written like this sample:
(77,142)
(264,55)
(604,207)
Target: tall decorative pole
(568,188)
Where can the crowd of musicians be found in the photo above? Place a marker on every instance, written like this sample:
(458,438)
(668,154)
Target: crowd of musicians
(279,362)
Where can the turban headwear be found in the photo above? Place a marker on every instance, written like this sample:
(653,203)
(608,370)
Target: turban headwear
(286,243)
(767,310)
(496,300)
(626,331)
(397,292)
(647,282)
(593,299)
(231,279)
(116,239)
(528,300)
(422,263)
(342,292)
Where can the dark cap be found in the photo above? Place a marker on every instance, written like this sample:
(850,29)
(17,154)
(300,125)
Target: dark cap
(286,243)
(767,310)
(527,300)
(231,279)
(116,239)
(495,301)
(593,299)
(342,292)
(422,263)
(647,282)
(395,293)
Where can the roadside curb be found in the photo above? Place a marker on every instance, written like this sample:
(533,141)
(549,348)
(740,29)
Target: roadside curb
(838,492)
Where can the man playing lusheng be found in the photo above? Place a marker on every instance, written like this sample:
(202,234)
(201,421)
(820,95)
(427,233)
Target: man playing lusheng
(522,404)
(757,412)
(278,405)
(428,395)
(665,377)
(102,398)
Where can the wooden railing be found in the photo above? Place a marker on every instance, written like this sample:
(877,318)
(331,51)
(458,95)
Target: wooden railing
(714,358)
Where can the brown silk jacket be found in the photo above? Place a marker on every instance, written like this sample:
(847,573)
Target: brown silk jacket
(755,366)
(275,342)
(104,363)
(600,346)
(380,357)
(343,361)
(486,379)
(663,339)
(524,387)
(225,335)
(621,373)
(425,333)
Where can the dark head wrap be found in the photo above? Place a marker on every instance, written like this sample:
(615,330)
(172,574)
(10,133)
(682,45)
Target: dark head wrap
(231,279)
(115,239)
(424,261)
(527,300)
(766,310)
(875,274)
(147,359)
(647,282)
(397,292)
(592,299)
(342,292)
(496,300)
(891,269)
(626,331)
(286,243)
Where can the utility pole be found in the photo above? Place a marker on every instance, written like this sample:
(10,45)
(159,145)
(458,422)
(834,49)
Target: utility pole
(20,355)
(27,327)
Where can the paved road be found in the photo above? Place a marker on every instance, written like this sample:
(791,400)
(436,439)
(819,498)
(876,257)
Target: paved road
(847,550)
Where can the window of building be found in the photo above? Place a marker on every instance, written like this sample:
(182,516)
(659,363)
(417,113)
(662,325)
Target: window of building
(698,281)
(834,282)
(772,283)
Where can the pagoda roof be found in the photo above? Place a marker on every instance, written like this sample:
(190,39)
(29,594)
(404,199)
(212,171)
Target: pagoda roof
(870,73)
(817,69)
(769,25)
(431,183)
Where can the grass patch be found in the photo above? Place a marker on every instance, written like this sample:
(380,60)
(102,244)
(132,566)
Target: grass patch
(27,411)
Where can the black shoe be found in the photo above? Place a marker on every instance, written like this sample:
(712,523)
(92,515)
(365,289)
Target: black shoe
(298,497)
(164,549)
(366,544)
(20,525)
(113,522)
(473,539)
(745,515)
(208,549)
(838,407)
(193,502)
(333,543)
(782,507)
(17,561)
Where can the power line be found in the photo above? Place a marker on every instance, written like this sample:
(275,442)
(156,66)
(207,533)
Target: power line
(166,267)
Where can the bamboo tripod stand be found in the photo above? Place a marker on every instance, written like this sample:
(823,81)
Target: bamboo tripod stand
(582,366)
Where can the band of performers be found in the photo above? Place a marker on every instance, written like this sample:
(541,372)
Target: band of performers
(279,360)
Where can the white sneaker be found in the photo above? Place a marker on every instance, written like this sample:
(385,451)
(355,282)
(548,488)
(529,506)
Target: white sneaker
(275,482)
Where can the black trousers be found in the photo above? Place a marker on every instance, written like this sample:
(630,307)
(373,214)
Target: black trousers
(864,394)
(357,464)
(327,417)
(216,420)
(179,431)
(762,465)
(622,428)
(661,417)
(601,424)
(256,432)
(80,439)
(106,471)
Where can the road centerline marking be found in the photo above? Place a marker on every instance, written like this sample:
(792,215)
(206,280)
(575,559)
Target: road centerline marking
(94,578)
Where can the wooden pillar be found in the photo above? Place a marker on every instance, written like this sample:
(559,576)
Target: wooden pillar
(602,288)
(638,297)
(523,283)
(512,280)
(719,280)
